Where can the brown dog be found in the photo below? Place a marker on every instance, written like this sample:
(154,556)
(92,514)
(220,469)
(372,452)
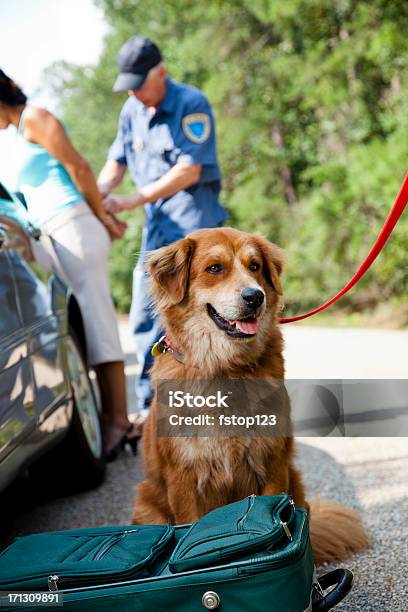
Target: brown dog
(218,293)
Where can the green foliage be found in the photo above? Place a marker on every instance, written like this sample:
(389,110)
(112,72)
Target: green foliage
(311,103)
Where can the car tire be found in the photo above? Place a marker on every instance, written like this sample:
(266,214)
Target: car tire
(77,464)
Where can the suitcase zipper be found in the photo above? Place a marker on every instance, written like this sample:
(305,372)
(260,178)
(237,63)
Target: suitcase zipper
(251,500)
(286,530)
(276,537)
(115,539)
(52,582)
(106,546)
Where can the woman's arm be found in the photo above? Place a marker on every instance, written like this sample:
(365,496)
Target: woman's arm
(43,128)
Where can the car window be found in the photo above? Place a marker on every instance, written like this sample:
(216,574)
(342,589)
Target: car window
(14,210)
(19,238)
(32,293)
(10,316)
(18,231)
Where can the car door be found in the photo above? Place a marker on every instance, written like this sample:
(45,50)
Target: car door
(41,325)
(38,312)
(17,408)
(33,385)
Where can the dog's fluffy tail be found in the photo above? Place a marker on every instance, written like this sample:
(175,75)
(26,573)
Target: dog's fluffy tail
(335,531)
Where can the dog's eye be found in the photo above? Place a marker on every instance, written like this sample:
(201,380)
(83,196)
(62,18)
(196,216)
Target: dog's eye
(215,269)
(254,266)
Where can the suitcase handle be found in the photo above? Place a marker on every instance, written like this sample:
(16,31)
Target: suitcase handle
(342,580)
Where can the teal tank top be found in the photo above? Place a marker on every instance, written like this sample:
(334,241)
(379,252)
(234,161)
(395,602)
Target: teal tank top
(43,180)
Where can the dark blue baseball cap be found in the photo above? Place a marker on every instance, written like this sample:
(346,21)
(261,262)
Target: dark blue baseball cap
(136,57)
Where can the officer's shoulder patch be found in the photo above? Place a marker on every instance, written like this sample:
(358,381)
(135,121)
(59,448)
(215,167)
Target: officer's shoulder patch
(197,127)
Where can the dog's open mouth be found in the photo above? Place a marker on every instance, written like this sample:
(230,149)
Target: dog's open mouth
(243,328)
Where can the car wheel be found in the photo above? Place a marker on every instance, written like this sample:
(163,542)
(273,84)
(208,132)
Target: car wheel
(78,462)
(85,434)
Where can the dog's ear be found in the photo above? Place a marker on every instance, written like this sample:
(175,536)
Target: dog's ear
(273,262)
(169,268)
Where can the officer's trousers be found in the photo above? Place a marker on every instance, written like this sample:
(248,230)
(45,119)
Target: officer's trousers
(146,331)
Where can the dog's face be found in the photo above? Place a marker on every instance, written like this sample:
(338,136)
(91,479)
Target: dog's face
(217,288)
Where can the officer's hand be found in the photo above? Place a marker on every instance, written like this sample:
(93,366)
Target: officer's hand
(113,204)
(117,203)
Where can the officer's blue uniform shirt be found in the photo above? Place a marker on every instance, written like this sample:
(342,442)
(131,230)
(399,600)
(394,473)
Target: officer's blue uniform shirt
(180,131)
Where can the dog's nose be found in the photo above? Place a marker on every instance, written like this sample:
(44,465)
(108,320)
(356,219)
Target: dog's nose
(252,297)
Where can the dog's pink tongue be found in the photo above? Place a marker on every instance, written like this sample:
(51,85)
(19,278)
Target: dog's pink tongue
(247,327)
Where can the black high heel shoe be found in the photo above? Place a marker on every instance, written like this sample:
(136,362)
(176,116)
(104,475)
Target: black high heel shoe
(133,440)
(125,440)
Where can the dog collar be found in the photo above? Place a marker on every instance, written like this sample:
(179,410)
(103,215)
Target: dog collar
(164,346)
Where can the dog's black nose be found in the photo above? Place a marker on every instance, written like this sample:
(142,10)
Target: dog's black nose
(252,297)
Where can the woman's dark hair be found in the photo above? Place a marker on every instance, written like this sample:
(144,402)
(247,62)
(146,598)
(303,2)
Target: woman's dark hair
(10,93)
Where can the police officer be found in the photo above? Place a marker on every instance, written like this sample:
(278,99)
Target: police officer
(166,138)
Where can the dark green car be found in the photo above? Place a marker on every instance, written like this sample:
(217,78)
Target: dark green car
(49,412)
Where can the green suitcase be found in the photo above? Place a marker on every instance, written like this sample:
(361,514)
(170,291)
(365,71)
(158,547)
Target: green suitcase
(254,554)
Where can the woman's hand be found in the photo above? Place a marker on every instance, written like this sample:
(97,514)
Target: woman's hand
(115,227)
(17,239)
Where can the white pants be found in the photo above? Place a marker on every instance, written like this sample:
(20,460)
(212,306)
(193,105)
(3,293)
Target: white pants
(78,245)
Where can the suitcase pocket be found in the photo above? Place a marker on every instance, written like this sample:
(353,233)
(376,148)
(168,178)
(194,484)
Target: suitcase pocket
(66,559)
(254,524)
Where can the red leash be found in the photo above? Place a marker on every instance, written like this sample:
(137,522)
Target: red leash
(392,219)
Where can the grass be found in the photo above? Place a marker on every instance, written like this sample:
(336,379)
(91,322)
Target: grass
(385,316)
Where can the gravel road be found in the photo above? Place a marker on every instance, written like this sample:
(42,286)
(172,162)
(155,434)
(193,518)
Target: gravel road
(371,474)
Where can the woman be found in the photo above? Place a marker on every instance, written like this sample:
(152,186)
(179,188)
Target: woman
(64,200)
